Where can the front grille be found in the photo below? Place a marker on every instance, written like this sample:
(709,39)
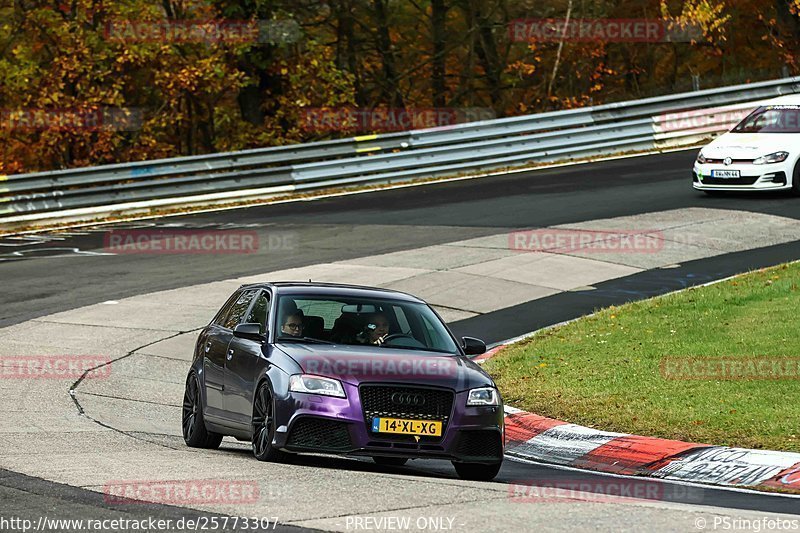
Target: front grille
(377,402)
(744,180)
(733,161)
(479,444)
(319,434)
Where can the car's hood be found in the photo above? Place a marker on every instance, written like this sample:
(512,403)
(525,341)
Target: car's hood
(749,145)
(360,364)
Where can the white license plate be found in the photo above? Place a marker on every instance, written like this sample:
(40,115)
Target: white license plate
(725,174)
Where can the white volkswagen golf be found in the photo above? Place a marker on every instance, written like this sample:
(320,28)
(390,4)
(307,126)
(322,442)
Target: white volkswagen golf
(760,153)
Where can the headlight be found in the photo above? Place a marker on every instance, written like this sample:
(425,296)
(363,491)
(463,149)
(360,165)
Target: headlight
(777,157)
(316,385)
(483,396)
(701,158)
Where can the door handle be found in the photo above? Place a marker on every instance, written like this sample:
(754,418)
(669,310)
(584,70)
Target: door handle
(230,354)
(208,346)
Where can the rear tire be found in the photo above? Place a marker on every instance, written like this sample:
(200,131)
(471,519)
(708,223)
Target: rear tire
(193,424)
(477,471)
(264,426)
(390,461)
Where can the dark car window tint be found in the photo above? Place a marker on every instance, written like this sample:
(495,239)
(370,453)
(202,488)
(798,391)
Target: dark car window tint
(239,308)
(346,319)
(225,310)
(771,119)
(260,311)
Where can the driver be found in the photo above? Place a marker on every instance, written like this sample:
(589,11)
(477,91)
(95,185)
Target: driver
(293,324)
(376,330)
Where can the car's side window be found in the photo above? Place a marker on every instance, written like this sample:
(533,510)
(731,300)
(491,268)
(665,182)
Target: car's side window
(260,311)
(239,308)
(225,310)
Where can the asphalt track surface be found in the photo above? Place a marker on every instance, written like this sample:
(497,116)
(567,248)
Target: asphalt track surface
(45,276)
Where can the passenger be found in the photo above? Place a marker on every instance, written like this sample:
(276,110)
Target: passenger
(293,324)
(376,330)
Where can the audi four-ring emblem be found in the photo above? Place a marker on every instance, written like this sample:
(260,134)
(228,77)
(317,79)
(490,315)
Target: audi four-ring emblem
(407,398)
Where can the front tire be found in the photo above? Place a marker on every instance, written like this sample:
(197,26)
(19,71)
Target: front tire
(264,426)
(477,471)
(193,424)
(796,180)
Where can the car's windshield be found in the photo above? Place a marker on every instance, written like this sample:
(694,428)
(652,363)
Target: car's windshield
(771,119)
(361,321)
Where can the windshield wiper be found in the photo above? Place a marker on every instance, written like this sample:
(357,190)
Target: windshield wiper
(303,339)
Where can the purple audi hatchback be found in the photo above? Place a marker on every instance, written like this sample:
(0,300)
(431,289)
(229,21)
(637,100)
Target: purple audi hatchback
(324,368)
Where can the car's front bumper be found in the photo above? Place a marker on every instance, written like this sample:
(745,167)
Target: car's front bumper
(310,423)
(752,177)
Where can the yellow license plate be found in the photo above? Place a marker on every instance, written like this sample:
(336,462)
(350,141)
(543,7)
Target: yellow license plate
(431,428)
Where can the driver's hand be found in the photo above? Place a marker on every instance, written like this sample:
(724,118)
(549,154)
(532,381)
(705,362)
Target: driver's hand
(380,339)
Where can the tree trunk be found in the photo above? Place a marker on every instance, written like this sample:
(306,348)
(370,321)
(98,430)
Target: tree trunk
(391,89)
(346,52)
(438,79)
(486,48)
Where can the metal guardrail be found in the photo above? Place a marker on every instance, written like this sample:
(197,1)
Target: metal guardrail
(639,125)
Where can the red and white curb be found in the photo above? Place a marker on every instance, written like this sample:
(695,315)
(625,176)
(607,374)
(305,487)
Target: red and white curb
(534,437)
(546,440)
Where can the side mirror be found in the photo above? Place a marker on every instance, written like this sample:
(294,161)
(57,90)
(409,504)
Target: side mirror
(473,346)
(250,332)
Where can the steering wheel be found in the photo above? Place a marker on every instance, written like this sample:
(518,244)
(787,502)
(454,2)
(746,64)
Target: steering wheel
(414,342)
